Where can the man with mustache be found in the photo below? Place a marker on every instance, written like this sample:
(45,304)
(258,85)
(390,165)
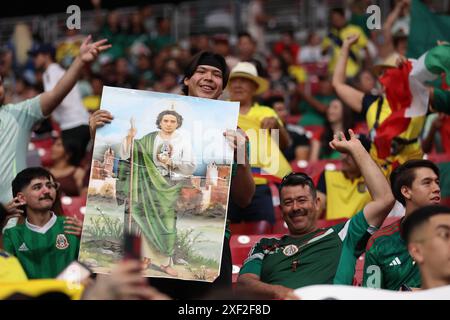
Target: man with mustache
(309,255)
(388,264)
(45,244)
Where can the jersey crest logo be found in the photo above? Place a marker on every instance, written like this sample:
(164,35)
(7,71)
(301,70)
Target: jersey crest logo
(290,250)
(61,242)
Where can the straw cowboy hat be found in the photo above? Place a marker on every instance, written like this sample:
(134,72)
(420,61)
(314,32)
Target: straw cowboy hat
(248,71)
(389,62)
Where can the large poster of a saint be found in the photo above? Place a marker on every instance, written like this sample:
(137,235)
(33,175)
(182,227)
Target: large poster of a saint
(161,169)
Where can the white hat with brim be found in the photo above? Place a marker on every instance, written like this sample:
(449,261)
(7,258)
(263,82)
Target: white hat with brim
(248,71)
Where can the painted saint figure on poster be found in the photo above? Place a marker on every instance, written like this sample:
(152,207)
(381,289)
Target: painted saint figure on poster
(162,161)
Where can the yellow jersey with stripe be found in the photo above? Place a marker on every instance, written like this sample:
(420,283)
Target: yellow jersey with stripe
(353,66)
(345,197)
(265,155)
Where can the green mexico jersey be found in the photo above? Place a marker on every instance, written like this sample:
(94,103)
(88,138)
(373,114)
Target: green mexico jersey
(388,264)
(315,258)
(42,255)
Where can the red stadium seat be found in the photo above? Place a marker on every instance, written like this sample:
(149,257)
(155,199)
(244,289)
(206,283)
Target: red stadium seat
(315,130)
(318,69)
(256,227)
(361,128)
(43,146)
(445,201)
(293,119)
(280,226)
(314,170)
(359,271)
(74,206)
(388,221)
(240,246)
(323,223)
(439,157)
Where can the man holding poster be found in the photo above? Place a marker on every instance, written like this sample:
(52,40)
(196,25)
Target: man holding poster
(178,205)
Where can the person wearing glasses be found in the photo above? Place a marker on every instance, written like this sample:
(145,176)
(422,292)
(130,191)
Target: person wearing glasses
(308,255)
(46,243)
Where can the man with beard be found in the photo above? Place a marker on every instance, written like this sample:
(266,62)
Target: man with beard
(46,243)
(309,255)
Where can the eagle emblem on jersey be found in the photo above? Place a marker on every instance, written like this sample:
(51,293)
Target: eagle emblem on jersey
(61,242)
(290,250)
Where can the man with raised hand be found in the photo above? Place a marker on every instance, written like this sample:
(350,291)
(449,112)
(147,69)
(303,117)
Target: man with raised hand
(309,255)
(17,120)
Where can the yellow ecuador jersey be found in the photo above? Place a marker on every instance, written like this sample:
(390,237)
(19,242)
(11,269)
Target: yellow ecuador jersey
(265,155)
(345,197)
(334,40)
(37,287)
(10,269)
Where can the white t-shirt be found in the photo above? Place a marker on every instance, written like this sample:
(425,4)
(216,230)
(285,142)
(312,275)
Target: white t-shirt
(310,54)
(71,112)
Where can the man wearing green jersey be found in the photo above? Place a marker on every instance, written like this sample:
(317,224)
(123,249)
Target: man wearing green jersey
(46,243)
(388,264)
(308,255)
(427,234)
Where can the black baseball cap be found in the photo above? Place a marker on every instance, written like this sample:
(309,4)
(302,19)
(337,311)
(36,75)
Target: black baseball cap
(42,48)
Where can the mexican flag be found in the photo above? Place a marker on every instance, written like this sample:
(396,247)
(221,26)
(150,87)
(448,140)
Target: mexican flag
(407,94)
(426,28)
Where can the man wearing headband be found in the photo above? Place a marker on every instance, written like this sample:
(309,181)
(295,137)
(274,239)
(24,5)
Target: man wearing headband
(205,77)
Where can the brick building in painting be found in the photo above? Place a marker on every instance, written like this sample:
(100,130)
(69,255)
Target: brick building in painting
(103,170)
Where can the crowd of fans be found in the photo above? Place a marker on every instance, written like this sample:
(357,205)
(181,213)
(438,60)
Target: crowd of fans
(327,99)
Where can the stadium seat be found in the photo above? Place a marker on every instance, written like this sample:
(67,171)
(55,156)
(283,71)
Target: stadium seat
(315,130)
(361,128)
(318,69)
(280,226)
(240,246)
(438,157)
(74,206)
(445,201)
(388,221)
(253,227)
(359,271)
(293,119)
(323,223)
(314,170)
(43,147)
